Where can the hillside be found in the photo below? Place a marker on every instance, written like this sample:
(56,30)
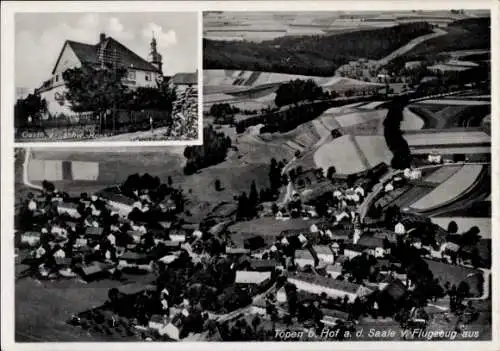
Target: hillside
(309,55)
(466,34)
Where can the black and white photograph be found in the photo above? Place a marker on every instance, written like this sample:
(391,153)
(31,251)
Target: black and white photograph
(342,192)
(107,77)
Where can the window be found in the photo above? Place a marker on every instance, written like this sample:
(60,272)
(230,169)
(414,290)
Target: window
(131,75)
(148,76)
(57,78)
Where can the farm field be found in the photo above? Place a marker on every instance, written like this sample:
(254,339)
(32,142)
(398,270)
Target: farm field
(268,55)
(460,102)
(254,90)
(441,174)
(454,115)
(40,318)
(342,153)
(235,174)
(446,138)
(463,37)
(450,189)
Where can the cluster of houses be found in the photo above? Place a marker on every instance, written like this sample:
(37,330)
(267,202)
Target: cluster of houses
(94,236)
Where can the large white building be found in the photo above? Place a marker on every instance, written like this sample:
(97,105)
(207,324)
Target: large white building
(315,284)
(108,51)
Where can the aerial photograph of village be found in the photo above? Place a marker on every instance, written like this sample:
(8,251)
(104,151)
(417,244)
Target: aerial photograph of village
(106,77)
(342,193)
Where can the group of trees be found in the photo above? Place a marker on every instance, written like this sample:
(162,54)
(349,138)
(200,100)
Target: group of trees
(157,191)
(247,205)
(213,151)
(289,117)
(394,136)
(29,110)
(297,90)
(99,90)
(223,113)
(318,55)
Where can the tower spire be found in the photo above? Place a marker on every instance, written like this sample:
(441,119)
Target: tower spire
(154,56)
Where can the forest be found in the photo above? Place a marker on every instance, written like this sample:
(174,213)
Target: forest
(318,55)
(466,34)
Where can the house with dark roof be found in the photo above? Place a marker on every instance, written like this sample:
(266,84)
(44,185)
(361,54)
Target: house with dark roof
(182,81)
(107,52)
(373,245)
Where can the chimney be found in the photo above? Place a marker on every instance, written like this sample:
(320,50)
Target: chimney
(102,37)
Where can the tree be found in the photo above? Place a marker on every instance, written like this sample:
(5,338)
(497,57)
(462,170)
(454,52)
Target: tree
(452,227)
(91,89)
(297,90)
(242,210)
(253,200)
(330,172)
(218,185)
(157,98)
(394,136)
(223,113)
(213,151)
(33,106)
(274,208)
(470,237)
(274,176)
(292,298)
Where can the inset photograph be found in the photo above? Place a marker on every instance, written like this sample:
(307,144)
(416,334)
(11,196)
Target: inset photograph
(106,77)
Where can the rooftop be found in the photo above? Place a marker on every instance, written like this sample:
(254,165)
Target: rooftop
(185,79)
(89,53)
(330,283)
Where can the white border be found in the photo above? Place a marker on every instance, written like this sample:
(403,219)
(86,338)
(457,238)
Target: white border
(7,200)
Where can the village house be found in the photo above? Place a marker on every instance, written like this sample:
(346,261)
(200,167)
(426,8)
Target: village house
(352,250)
(122,204)
(182,81)
(325,253)
(69,208)
(334,288)
(305,257)
(108,51)
(334,270)
(251,277)
(374,246)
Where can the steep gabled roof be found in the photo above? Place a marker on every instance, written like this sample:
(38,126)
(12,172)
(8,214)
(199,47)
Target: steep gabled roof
(88,53)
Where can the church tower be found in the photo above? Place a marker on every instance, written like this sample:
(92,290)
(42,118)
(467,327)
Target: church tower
(154,56)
